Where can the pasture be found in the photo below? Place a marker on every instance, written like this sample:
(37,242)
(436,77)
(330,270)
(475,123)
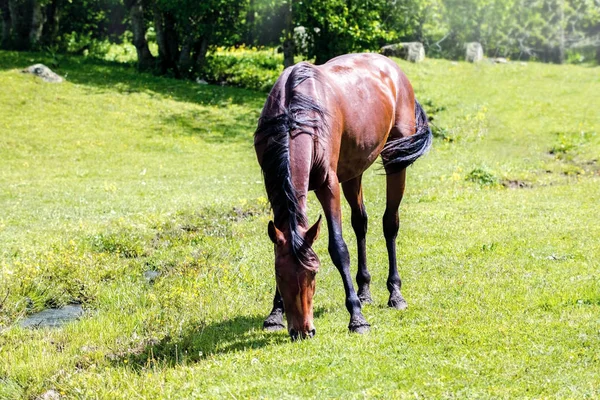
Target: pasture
(113,174)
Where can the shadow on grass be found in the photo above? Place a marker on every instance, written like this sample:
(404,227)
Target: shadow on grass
(212,126)
(218,124)
(227,336)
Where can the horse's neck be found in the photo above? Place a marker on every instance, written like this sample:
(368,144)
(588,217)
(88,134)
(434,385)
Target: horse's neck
(301,154)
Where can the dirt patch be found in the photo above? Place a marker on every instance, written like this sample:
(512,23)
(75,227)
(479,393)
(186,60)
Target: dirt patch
(516,184)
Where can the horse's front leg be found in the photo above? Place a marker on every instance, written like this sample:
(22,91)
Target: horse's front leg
(329,197)
(274,322)
(353,192)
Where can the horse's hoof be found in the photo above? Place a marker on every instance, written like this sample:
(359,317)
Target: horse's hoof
(364,295)
(397,301)
(272,327)
(361,329)
(274,322)
(359,325)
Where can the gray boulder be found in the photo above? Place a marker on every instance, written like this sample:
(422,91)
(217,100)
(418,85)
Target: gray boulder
(474,52)
(43,72)
(411,51)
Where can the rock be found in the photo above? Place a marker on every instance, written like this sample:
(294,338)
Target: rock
(500,60)
(151,276)
(411,51)
(53,317)
(43,72)
(49,395)
(201,81)
(474,52)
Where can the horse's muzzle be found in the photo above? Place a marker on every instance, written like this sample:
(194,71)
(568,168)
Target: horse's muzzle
(295,335)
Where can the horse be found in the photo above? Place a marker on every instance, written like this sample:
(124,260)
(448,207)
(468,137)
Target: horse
(322,126)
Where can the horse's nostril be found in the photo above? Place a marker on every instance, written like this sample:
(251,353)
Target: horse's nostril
(312,332)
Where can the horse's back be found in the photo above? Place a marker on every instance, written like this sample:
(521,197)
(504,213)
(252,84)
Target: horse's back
(365,98)
(370,94)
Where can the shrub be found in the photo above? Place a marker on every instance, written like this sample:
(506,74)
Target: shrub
(247,68)
(482,177)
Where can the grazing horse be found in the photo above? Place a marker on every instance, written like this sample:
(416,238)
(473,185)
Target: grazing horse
(322,126)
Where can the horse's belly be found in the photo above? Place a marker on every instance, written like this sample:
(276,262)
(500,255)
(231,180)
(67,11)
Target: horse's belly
(365,132)
(357,156)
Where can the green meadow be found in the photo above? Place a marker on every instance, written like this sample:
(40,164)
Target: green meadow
(114,174)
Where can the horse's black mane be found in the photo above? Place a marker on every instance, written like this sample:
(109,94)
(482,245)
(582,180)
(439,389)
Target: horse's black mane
(301,114)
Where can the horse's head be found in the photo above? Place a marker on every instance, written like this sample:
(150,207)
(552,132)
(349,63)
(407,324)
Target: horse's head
(296,279)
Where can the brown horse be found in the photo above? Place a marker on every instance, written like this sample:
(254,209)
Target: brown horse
(322,126)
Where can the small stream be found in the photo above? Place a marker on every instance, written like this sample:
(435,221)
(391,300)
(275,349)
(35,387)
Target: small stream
(53,317)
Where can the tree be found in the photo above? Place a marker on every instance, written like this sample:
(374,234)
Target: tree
(187,28)
(6,24)
(138,26)
(341,26)
(417,20)
(289,46)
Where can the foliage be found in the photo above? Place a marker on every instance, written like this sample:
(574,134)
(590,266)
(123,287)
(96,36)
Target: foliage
(248,68)
(483,177)
(340,26)
(91,19)
(183,32)
(523,29)
(186,29)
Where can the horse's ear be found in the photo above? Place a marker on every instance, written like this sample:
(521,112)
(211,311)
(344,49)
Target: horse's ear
(276,235)
(313,233)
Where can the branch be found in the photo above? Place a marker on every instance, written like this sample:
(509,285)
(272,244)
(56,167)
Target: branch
(441,40)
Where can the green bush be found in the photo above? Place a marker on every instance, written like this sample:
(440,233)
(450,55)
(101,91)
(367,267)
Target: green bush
(482,177)
(247,68)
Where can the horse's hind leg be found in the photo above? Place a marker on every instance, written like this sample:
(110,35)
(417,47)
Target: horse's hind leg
(395,190)
(274,322)
(353,193)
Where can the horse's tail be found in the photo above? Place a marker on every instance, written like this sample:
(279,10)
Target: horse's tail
(397,154)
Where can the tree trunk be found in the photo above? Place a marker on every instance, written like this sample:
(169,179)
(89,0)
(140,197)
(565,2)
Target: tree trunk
(38,18)
(288,42)
(322,49)
(185,62)
(172,39)
(166,38)
(250,23)
(161,40)
(561,34)
(50,31)
(200,50)
(6,24)
(21,17)
(419,36)
(138,25)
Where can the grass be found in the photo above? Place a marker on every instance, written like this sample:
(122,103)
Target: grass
(113,174)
